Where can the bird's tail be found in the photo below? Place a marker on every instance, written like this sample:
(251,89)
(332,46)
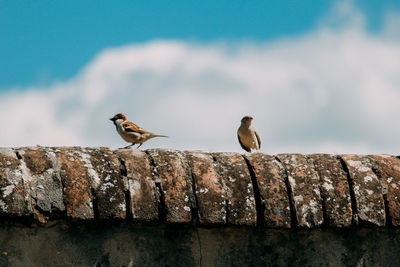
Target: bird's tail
(158,135)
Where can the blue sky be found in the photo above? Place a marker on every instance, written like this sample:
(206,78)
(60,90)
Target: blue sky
(317,76)
(46,41)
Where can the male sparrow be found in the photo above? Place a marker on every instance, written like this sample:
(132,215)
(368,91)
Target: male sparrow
(247,135)
(130,132)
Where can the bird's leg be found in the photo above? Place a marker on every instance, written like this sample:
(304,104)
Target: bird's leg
(127,146)
(139,145)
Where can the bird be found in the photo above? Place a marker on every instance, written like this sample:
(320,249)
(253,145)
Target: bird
(247,135)
(131,132)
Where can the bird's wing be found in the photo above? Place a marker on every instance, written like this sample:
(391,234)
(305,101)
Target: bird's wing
(131,127)
(241,144)
(258,140)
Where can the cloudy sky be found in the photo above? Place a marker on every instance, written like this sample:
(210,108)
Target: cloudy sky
(317,77)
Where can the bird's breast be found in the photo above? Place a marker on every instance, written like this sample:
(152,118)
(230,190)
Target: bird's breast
(247,137)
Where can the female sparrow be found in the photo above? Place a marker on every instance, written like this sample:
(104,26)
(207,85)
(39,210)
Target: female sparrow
(130,132)
(247,135)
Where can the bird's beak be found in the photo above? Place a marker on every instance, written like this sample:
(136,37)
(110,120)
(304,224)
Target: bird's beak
(112,119)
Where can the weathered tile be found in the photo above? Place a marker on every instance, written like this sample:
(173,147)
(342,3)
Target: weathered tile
(140,184)
(106,182)
(241,208)
(14,200)
(44,186)
(269,174)
(75,177)
(210,192)
(388,168)
(304,183)
(334,189)
(176,184)
(367,190)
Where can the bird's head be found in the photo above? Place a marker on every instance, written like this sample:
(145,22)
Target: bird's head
(118,118)
(247,120)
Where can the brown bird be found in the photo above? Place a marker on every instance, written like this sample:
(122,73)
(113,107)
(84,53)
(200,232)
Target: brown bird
(130,132)
(247,135)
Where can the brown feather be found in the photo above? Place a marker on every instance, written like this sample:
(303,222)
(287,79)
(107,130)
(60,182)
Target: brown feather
(131,127)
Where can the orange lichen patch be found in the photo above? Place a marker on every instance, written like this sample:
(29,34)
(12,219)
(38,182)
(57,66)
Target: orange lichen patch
(77,189)
(37,214)
(36,160)
(8,161)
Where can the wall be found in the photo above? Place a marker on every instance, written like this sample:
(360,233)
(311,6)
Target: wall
(97,206)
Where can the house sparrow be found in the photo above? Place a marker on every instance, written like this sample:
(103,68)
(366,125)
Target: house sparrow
(130,132)
(247,135)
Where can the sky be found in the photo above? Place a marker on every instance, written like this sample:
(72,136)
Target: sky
(317,76)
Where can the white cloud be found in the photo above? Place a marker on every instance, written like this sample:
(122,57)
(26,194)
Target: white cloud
(336,90)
